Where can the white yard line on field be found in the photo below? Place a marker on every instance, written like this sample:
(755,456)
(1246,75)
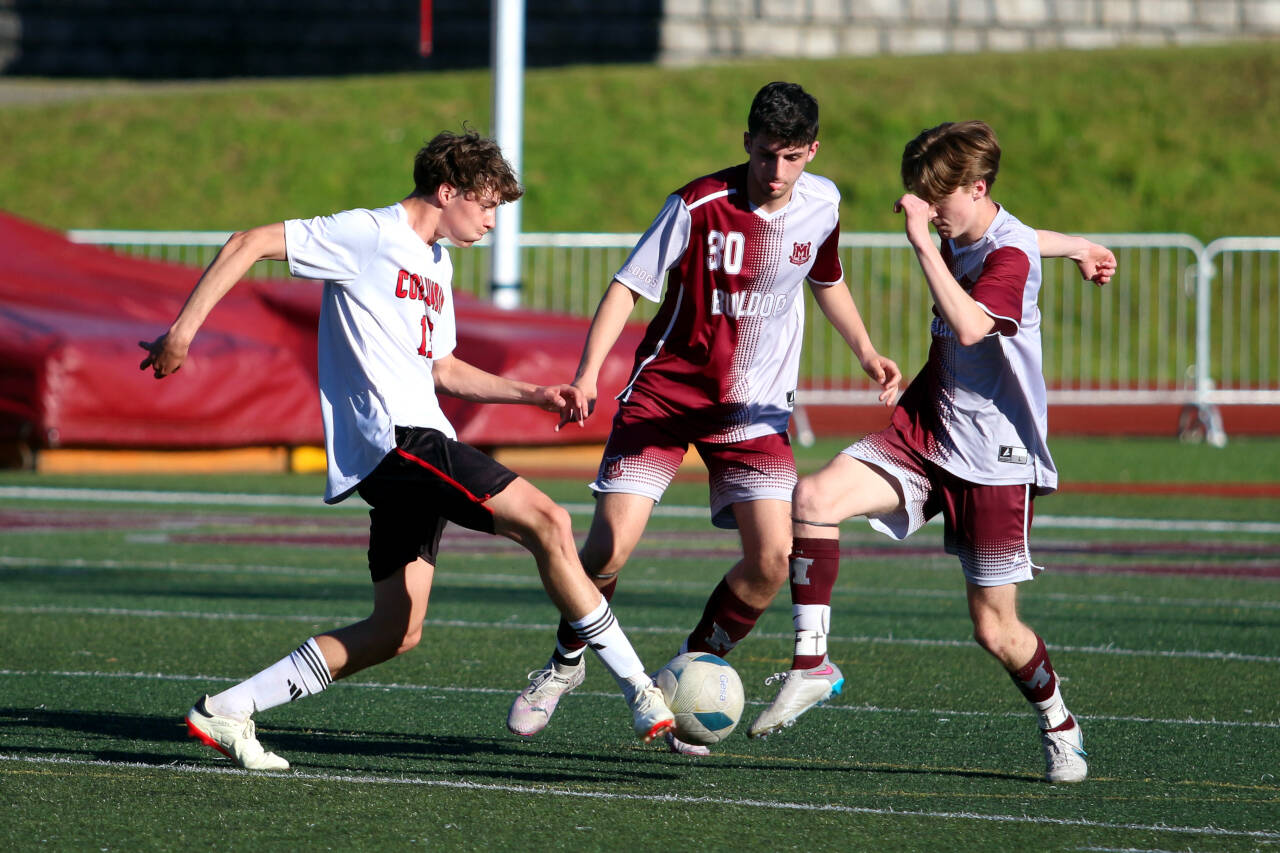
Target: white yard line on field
(549,791)
(505,691)
(1194,654)
(49,493)
(530,580)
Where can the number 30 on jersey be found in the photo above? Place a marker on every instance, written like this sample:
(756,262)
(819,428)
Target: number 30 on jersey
(725,251)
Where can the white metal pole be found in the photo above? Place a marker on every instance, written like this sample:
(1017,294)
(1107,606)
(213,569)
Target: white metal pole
(507,62)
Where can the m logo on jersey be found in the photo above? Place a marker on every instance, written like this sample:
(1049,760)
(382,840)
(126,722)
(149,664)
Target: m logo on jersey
(612,468)
(800,253)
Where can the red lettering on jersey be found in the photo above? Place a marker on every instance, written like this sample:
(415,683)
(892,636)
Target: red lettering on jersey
(800,253)
(434,295)
(401,293)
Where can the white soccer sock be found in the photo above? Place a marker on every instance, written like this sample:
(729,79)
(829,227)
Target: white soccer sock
(812,624)
(1053,711)
(303,673)
(601,631)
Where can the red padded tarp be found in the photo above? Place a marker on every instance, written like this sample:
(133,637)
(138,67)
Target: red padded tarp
(71,317)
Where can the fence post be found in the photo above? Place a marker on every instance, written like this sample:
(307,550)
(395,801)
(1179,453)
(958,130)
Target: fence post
(1208,413)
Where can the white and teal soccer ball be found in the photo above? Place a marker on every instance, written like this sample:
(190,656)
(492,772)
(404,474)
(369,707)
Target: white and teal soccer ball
(704,693)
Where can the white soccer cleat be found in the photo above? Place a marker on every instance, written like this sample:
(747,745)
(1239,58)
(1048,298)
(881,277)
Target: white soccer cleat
(532,709)
(650,715)
(674,744)
(802,689)
(1064,755)
(237,739)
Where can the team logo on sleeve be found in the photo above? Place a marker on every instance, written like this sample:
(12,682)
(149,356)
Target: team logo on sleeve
(800,253)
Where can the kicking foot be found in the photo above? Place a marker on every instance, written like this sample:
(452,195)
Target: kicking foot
(235,738)
(802,689)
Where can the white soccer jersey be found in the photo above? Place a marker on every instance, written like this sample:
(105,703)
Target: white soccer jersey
(387,313)
(980,411)
(719,361)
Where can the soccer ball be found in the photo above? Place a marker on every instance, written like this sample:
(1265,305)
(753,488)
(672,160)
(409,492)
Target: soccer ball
(704,693)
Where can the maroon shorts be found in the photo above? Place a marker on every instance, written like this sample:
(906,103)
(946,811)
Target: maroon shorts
(426,480)
(986,526)
(641,458)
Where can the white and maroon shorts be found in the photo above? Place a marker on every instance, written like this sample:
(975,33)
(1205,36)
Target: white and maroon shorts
(641,458)
(986,526)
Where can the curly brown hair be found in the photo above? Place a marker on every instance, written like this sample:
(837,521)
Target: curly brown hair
(951,155)
(466,161)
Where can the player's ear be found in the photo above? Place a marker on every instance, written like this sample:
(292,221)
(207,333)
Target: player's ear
(746,141)
(979,189)
(813,151)
(446,193)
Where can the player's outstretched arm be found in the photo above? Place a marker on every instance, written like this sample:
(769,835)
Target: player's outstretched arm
(242,250)
(457,378)
(1097,263)
(837,304)
(610,318)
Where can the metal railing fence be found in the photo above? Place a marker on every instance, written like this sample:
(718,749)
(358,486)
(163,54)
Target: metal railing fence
(1181,323)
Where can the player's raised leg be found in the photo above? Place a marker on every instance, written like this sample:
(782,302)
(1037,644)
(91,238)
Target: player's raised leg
(526,515)
(998,629)
(616,527)
(845,487)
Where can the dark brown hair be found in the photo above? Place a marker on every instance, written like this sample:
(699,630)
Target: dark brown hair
(467,161)
(784,112)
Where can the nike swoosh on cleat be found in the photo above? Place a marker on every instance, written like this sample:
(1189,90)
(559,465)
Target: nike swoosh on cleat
(826,670)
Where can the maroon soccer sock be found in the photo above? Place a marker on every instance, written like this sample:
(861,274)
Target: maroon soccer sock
(1036,679)
(725,621)
(569,646)
(1039,683)
(815,564)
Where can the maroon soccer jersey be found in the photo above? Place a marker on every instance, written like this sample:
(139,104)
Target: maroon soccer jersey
(719,361)
(980,411)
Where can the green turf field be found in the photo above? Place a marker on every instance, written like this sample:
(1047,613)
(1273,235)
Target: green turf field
(119,609)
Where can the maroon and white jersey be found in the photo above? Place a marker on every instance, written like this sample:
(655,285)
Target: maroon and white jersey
(719,361)
(979,411)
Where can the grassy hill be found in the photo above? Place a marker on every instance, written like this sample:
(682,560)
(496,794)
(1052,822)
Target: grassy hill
(1132,140)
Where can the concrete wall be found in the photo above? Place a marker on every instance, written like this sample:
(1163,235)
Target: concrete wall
(698,30)
(222,38)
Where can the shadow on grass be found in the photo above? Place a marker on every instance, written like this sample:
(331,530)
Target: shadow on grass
(108,736)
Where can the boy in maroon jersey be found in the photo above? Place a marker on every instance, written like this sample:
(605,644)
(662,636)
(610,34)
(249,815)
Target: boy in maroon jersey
(717,369)
(967,439)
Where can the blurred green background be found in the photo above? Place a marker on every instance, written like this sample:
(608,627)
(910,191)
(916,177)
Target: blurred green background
(1142,140)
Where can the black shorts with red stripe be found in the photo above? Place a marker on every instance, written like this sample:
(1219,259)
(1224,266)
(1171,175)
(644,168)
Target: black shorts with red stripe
(426,480)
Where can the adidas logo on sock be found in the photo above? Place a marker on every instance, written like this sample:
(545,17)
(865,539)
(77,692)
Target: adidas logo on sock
(295,692)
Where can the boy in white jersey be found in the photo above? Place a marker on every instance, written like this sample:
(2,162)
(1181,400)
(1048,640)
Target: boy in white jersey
(717,368)
(967,439)
(386,343)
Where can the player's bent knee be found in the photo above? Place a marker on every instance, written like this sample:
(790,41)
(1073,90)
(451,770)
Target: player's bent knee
(408,641)
(807,502)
